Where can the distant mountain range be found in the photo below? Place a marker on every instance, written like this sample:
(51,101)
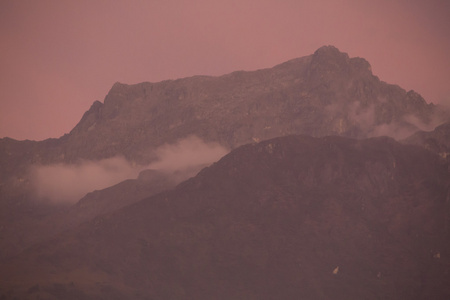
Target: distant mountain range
(309,203)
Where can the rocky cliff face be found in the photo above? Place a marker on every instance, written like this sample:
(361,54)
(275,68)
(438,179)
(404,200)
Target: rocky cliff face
(326,93)
(293,217)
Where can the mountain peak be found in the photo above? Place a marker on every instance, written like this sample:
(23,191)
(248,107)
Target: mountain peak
(330,56)
(328,63)
(328,49)
(330,53)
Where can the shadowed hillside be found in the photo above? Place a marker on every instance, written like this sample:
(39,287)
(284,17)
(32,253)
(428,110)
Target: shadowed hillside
(289,218)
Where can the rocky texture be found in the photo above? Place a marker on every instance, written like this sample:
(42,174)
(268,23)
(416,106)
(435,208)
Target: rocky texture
(290,218)
(437,141)
(326,93)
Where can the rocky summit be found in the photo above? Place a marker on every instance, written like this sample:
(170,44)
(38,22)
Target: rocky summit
(312,202)
(326,93)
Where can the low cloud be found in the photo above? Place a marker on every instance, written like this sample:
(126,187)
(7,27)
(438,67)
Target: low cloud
(365,120)
(187,153)
(186,158)
(70,182)
(67,183)
(401,130)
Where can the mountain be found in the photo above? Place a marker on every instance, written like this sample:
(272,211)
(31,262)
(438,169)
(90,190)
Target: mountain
(293,217)
(323,94)
(326,93)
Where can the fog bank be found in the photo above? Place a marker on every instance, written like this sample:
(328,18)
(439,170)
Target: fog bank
(67,183)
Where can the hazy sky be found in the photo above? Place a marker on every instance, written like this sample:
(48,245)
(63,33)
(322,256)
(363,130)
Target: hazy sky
(57,57)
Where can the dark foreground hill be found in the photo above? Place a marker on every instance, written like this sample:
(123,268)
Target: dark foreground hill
(289,218)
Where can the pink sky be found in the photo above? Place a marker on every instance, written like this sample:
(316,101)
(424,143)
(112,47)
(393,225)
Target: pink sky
(57,57)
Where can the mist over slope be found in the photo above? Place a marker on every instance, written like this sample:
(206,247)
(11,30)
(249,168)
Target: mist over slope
(373,211)
(70,182)
(326,93)
(59,196)
(292,217)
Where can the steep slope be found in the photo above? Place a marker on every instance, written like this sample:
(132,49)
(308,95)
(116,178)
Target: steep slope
(437,140)
(27,219)
(290,218)
(326,93)
(41,221)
